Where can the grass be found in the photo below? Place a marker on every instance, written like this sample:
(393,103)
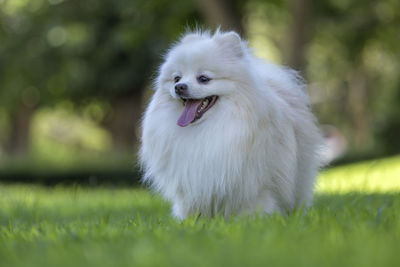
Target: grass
(355,222)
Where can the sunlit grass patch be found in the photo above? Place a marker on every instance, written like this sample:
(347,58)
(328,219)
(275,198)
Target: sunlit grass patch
(376,176)
(350,224)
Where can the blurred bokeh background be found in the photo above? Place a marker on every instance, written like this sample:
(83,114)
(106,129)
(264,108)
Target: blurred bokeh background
(75,76)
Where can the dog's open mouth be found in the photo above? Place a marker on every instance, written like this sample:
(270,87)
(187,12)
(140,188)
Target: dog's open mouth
(195,108)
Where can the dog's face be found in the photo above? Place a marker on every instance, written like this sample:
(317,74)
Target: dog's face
(200,70)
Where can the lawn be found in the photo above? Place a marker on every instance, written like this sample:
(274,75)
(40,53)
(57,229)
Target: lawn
(355,221)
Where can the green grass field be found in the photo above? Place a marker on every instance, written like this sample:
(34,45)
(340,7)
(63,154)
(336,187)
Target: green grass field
(355,221)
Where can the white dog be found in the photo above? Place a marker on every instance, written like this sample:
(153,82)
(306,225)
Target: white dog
(227,133)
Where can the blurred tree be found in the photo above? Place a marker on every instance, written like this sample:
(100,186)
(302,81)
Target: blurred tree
(53,50)
(301,14)
(82,50)
(228,14)
(22,67)
(358,66)
(348,51)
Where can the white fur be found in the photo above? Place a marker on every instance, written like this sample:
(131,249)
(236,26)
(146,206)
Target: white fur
(256,149)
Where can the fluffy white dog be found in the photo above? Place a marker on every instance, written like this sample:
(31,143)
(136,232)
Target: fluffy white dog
(227,133)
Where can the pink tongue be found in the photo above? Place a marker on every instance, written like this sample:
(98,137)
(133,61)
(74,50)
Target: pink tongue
(189,113)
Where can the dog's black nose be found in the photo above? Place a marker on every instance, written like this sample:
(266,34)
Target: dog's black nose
(181,89)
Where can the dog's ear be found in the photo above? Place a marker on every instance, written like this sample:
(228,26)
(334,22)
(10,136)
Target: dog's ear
(230,41)
(190,37)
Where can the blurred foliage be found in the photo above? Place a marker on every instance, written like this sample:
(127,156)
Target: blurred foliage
(57,49)
(82,51)
(352,64)
(57,132)
(96,53)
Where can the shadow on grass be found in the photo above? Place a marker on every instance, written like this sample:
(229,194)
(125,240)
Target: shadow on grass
(83,177)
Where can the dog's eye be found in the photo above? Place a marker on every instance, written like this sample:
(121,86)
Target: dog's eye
(177,79)
(203,79)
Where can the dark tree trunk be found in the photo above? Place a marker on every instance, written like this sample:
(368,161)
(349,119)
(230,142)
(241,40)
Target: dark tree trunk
(222,13)
(300,12)
(19,141)
(124,121)
(357,106)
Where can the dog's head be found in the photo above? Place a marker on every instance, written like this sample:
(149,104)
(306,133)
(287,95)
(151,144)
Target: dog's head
(201,69)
